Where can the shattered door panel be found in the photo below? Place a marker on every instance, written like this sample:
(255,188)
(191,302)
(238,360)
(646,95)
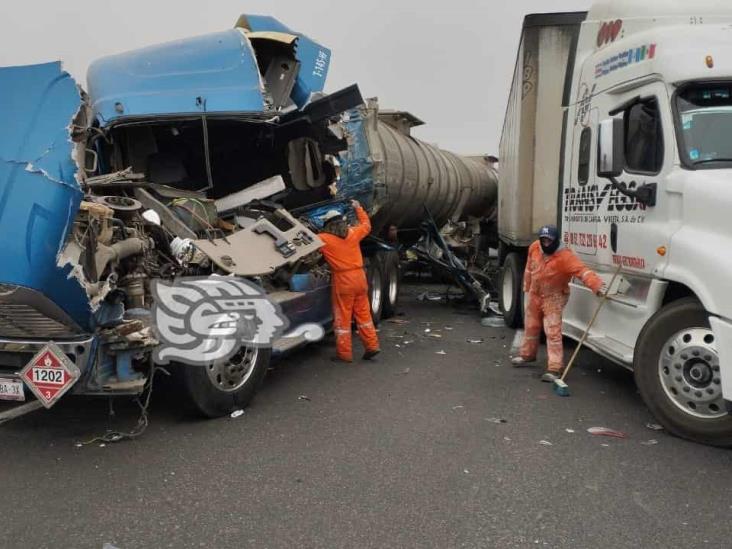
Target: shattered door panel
(262,247)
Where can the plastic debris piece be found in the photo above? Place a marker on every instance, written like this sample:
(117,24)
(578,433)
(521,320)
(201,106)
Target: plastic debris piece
(545,443)
(466,471)
(440,352)
(434,336)
(449,328)
(236,413)
(605,445)
(303,397)
(474,340)
(78,445)
(496,420)
(651,442)
(492,322)
(427,330)
(606,432)
(102,445)
(570,430)
(398,346)
(507,439)
(458,407)
(429,296)
(654,426)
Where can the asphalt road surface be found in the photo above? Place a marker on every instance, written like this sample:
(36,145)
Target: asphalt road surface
(402,452)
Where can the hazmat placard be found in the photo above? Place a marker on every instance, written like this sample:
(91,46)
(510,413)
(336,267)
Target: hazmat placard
(49,374)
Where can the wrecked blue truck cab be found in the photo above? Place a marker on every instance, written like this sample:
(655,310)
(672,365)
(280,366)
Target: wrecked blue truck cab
(183,160)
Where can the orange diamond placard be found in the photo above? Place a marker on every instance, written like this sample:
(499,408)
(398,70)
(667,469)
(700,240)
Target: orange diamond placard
(49,374)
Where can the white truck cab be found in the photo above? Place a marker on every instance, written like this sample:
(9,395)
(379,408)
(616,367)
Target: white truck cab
(645,185)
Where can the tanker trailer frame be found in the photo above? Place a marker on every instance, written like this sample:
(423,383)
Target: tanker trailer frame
(438,204)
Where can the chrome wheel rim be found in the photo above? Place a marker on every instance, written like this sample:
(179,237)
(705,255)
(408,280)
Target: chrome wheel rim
(507,291)
(231,375)
(393,286)
(689,372)
(375,291)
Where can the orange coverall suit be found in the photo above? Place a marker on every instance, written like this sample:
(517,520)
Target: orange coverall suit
(546,283)
(349,289)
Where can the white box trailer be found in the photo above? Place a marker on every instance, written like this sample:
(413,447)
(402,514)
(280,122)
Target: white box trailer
(633,164)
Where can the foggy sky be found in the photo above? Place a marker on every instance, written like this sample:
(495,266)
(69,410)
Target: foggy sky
(449,62)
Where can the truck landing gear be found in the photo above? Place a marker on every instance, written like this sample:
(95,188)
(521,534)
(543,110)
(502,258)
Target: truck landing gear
(677,372)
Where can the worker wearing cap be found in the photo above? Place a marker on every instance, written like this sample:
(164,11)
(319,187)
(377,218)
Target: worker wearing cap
(349,289)
(549,268)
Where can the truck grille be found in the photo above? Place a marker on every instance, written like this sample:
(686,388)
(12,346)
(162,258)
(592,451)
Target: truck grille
(24,321)
(28,314)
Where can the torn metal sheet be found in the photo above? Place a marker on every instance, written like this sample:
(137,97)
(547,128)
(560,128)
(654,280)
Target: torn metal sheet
(39,191)
(313,57)
(258,191)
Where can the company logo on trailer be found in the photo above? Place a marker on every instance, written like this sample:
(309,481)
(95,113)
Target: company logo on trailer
(608,32)
(625,58)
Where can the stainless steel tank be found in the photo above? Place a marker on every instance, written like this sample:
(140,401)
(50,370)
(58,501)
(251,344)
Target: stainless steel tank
(398,175)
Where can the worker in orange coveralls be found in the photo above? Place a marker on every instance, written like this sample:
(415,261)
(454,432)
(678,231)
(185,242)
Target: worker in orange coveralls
(349,291)
(549,268)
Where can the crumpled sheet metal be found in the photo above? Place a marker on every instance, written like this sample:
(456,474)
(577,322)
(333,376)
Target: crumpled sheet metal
(39,191)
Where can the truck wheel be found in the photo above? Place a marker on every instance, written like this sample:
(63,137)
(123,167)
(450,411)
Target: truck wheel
(392,282)
(219,389)
(511,294)
(677,372)
(375,278)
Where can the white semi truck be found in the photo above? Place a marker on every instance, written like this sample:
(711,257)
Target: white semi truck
(619,130)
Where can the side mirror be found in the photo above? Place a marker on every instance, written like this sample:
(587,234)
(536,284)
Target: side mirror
(610,148)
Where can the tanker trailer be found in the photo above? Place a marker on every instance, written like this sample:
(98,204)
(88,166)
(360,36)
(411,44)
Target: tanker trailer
(439,203)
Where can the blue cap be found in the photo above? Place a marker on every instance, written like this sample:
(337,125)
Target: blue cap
(549,231)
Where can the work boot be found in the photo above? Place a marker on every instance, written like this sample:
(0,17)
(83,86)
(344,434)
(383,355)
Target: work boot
(368,355)
(519,361)
(550,376)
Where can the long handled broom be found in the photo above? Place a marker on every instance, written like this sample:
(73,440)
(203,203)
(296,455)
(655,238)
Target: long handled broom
(560,387)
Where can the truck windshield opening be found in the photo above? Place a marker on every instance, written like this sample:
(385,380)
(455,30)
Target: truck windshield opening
(705,125)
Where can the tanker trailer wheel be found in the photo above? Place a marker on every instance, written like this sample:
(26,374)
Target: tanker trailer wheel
(677,372)
(511,291)
(375,278)
(218,389)
(392,282)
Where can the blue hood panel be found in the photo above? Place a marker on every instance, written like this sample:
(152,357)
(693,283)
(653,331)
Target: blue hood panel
(314,58)
(39,194)
(214,73)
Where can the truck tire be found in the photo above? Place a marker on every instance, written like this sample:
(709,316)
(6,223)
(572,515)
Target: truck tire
(392,282)
(217,390)
(511,291)
(676,368)
(375,278)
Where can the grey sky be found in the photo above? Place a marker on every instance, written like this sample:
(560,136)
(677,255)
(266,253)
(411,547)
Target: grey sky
(449,62)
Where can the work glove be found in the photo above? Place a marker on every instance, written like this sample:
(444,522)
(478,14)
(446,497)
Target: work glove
(603,290)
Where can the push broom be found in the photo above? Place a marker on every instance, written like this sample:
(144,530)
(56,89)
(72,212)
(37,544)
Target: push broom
(560,386)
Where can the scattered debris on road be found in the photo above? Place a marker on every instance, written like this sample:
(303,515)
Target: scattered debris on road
(545,443)
(303,397)
(654,426)
(440,352)
(474,340)
(496,420)
(236,413)
(651,442)
(606,432)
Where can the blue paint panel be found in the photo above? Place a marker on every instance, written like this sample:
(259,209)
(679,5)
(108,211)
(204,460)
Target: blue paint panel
(39,195)
(165,79)
(314,58)
(357,170)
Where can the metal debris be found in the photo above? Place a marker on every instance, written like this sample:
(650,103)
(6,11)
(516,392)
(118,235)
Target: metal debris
(545,443)
(236,413)
(654,426)
(606,432)
(496,420)
(570,430)
(651,442)
(303,397)
(474,340)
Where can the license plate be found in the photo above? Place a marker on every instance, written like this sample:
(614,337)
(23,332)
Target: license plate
(11,389)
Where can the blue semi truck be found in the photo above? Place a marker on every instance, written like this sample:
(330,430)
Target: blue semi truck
(212,155)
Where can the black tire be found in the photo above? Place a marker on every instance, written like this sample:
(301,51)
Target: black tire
(658,381)
(510,293)
(207,399)
(392,282)
(375,278)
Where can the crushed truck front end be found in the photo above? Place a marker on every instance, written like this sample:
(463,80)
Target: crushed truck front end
(179,164)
